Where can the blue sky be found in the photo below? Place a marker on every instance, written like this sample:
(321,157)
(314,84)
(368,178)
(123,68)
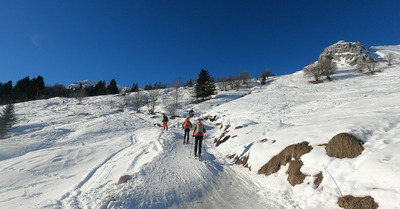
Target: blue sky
(145,41)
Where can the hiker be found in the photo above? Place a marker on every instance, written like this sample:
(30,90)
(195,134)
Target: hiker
(198,133)
(165,122)
(187,125)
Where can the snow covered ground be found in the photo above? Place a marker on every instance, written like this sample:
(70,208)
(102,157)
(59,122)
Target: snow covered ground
(65,155)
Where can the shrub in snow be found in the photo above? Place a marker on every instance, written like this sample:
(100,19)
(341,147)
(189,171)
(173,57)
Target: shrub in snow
(286,155)
(344,145)
(351,202)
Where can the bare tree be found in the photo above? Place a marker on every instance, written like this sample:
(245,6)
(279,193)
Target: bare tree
(313,70)
(222,83)
(264,76)
(328,67)
(80,94)
(246,78)
(370,65)
(138,100)
(389,58)
(231,81)
(176,93)
(171,106)
(153,96)
(237,82)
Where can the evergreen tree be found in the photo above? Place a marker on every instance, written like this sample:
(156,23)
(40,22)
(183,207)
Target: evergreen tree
(5,92)
(205,86)
(36,85)
(112,88)
(18,93)
(148,87)
(100,88)
(189,83)
(7,119)
(135,87)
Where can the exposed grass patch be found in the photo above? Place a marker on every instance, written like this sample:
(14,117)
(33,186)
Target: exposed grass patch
(318,179)
(295,176)
(293,151)
(124,179)
(316,82)
(243,161)
(222,138)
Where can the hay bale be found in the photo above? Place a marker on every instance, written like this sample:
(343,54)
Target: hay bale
(295,176)
(351,202)
(293,151)
(124,179)
(344,145)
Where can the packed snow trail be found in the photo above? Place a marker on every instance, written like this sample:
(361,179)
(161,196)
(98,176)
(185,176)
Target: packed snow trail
(175,179)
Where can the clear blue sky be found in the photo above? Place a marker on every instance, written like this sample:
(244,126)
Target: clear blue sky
(145,41)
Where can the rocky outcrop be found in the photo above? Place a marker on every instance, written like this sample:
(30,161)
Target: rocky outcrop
(352,53)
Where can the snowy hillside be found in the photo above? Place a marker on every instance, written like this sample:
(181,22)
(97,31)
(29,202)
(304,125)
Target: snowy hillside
(65,155)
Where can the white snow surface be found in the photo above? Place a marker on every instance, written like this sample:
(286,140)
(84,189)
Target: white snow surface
(62,154)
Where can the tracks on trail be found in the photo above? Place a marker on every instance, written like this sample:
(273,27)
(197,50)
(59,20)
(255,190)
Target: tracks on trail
(172,179)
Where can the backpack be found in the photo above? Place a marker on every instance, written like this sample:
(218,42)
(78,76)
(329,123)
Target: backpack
(187,124)
(199,128)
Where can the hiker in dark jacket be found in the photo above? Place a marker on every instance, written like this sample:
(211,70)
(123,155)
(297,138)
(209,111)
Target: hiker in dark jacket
(165,122)
(198,133)
(187,125)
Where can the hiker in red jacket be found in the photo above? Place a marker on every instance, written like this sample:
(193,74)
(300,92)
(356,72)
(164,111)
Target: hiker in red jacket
(187,125)
(165,122)
(198,133)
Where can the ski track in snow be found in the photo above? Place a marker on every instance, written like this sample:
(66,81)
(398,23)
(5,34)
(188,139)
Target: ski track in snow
(173,179)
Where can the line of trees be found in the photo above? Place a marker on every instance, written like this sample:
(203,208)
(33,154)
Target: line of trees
(28,89)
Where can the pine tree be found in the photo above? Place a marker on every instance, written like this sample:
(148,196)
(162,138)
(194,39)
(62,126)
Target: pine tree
(112,88)
(7,120)
(100,88)
(5,92)
(135,87)
(205,86)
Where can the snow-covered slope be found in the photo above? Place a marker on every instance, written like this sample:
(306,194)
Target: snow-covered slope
(65,155)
